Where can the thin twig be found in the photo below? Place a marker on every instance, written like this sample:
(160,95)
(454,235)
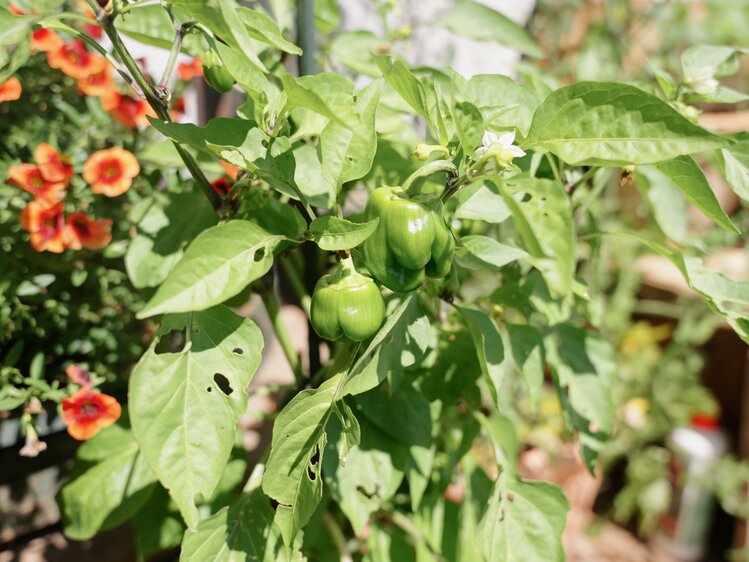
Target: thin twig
(282,335)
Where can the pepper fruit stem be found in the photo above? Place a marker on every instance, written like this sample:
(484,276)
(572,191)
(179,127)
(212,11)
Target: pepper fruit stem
(412,185)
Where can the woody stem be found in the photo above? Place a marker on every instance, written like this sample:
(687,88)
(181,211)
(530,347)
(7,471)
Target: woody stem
(158,104)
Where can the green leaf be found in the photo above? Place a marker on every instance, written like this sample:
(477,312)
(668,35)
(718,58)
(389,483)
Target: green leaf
(292,476)
(261,27)
(110,491)
(347,152)
(328,94)
(13,28)
(400,77)
(154,251)
(469,124)
(401,340)
(503,102)
(184,405)
(334,234)
(488,343)
(158,525)
(370,477)
(701,61)
(221,17)
(354,49)
(480,201)
(689,178)
(528,355)
(523,521)
(543,216)
(668,204)
(20,55)
(150,25)
(736,167)
(585,367)
(218,264)
(609,124)
(404,415)
(481,252)
(248,75)
(241,532)
(477,21)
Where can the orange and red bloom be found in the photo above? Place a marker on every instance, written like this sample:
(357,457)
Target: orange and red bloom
(99,83)
(10,90)
(111,171)
(126,109)
(86,412)
(82,232)
(45,40)
(46,226)
(222,186)
(31,178)
(74,60)
(55,167)
(189,70)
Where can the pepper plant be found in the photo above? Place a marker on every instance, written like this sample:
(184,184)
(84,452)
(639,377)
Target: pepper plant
(444,235)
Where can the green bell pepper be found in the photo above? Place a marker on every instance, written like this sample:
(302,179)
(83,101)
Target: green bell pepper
(216,74)
(346,304)
(412,239)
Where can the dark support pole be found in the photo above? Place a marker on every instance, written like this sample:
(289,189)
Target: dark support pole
(305,22)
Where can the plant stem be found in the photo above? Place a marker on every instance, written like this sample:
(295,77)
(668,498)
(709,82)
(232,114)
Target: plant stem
(271,306)
(173,53)
(337,535)
(158,104)
(554,167)
(412,183)
(136,4)
(405,524)
(297,284)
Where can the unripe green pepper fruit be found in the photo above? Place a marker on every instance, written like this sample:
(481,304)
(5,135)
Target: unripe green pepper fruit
(346,304)
(412,239)
(216,74)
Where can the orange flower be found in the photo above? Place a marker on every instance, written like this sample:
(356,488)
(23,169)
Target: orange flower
(10,90)
(221,186)
(126,109)
(189,70)
(86,412)
(94,31)
(111,171)
(231,170)
(45,40)
(55,167)
(75,61)
(79,375)
(82,232)
(30,178)
(178,108)
(45,225)
(99,83)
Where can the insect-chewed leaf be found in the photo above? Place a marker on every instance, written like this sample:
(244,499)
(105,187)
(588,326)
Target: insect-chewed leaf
(184,405)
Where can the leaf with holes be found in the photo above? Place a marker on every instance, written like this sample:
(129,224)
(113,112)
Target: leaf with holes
(523,521)
(608,124)
(370,477)
(292,476)
(242,531)
(184,405)
(333,234)
(218,264)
